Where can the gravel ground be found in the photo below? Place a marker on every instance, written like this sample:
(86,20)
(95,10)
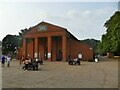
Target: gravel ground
(103,74)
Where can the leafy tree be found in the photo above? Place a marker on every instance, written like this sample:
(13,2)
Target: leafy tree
(22,32)
(0,43)
(9,44)
(111,40)
(11,41)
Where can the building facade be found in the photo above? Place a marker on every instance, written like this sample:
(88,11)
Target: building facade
(51,42)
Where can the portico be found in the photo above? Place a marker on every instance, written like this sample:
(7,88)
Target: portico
(45,47)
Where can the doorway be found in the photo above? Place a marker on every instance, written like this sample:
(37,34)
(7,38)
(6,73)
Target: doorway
(43,49)
(57,48)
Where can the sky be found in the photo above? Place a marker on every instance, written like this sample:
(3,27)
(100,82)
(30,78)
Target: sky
(83,19)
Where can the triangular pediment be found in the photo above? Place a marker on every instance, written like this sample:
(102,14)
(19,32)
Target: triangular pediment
(45,27)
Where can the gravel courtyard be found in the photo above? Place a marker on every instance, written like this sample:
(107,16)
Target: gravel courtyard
(103,74)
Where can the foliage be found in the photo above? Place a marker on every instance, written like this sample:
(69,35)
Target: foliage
(10,43)
(92,43)
(111,40)
(22,32)
(0,43)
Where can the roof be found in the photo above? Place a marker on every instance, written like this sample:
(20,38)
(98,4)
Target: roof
(68,33)
(46,23)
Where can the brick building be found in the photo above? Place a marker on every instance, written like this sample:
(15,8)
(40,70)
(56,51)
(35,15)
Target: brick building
(51,42)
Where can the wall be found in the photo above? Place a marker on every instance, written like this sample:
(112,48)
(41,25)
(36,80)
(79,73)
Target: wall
(75,47)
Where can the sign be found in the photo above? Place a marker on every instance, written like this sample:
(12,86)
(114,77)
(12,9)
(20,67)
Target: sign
(49,55)
(35,55)
(79,55)
(42,27)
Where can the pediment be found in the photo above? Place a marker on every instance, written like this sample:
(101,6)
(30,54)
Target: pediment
(45,27)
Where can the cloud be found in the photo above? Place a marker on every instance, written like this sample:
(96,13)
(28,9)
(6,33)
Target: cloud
(84,23)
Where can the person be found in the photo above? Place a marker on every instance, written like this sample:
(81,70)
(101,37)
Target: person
(79,58)
(70,60)
(41,61)
(96,59)
(78,61)
(75,61)
(8,61)
(20,59)
(30,63)
(3,60)
(23,62)
(35,64)
(26,64)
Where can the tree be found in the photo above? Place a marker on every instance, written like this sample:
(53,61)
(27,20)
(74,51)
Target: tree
(9,44)
(111,40)
(92,43)
(22,32)
(0,43)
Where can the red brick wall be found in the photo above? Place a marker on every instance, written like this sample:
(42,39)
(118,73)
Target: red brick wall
(75,47)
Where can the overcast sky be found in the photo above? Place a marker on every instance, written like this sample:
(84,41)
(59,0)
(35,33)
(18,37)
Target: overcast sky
(83,19)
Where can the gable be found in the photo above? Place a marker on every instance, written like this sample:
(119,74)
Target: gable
(45,27)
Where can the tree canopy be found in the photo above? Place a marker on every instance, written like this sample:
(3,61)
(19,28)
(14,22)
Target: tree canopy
(10,43)
(111,40)
(0,43)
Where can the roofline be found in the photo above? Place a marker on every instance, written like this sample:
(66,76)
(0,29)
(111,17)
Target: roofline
(46,23)
(72,35)
(56,26)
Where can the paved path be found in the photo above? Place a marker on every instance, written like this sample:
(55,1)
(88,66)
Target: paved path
(61,75)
